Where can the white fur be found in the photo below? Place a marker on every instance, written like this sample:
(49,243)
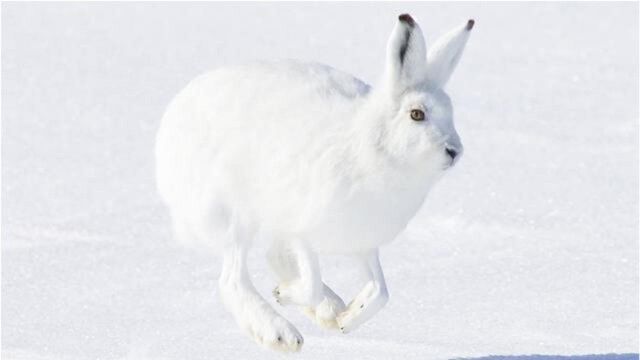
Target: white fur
(312,160)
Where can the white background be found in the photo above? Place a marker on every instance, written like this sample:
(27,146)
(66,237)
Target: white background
(529,246)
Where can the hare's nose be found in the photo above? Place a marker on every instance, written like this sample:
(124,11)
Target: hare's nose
(452,153)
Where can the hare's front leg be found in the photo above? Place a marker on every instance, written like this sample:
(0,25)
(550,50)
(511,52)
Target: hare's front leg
(371,298)
(301,283)
(251,311)
(299,273)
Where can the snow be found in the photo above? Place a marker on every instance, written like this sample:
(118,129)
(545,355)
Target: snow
(531,241)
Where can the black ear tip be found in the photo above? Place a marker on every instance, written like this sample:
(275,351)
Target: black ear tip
(407,19)
(470,24)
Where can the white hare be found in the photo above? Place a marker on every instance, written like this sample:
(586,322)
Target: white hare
(313,161)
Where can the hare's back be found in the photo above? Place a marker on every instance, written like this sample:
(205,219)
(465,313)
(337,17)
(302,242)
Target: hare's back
(283,77)
(279,93)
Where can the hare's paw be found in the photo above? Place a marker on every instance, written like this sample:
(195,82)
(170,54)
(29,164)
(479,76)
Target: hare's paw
(261,322)
(368,302)
(285,294)
(277,334)
(326,313)
(294,292)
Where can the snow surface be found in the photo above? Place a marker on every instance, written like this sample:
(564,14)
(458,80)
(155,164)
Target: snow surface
(531,242)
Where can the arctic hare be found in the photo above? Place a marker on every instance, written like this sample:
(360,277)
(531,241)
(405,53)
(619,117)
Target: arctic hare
(313,161)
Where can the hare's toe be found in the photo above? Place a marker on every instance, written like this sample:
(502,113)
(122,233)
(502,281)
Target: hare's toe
(276,294)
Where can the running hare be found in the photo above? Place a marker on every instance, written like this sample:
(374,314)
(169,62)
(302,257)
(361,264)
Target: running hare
(313,161)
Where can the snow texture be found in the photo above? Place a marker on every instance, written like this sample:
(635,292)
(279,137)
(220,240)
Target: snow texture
(528,246)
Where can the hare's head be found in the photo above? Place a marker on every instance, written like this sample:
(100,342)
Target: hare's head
(417,116)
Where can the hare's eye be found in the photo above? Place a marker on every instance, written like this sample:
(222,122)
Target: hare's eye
(417,115)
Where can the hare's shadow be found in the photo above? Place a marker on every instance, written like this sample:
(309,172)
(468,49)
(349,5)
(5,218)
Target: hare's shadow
(558,357)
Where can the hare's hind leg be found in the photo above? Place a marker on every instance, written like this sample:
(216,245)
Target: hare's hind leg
(301,284)
(250,310)
(370,299)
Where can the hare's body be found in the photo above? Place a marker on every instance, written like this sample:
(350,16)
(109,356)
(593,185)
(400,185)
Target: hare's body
(311,160)
(277,146)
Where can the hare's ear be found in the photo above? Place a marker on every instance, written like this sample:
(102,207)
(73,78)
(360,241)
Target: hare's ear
(445,53)
(406,54)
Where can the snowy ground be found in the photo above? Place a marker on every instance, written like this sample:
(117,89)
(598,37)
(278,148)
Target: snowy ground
(531,242)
